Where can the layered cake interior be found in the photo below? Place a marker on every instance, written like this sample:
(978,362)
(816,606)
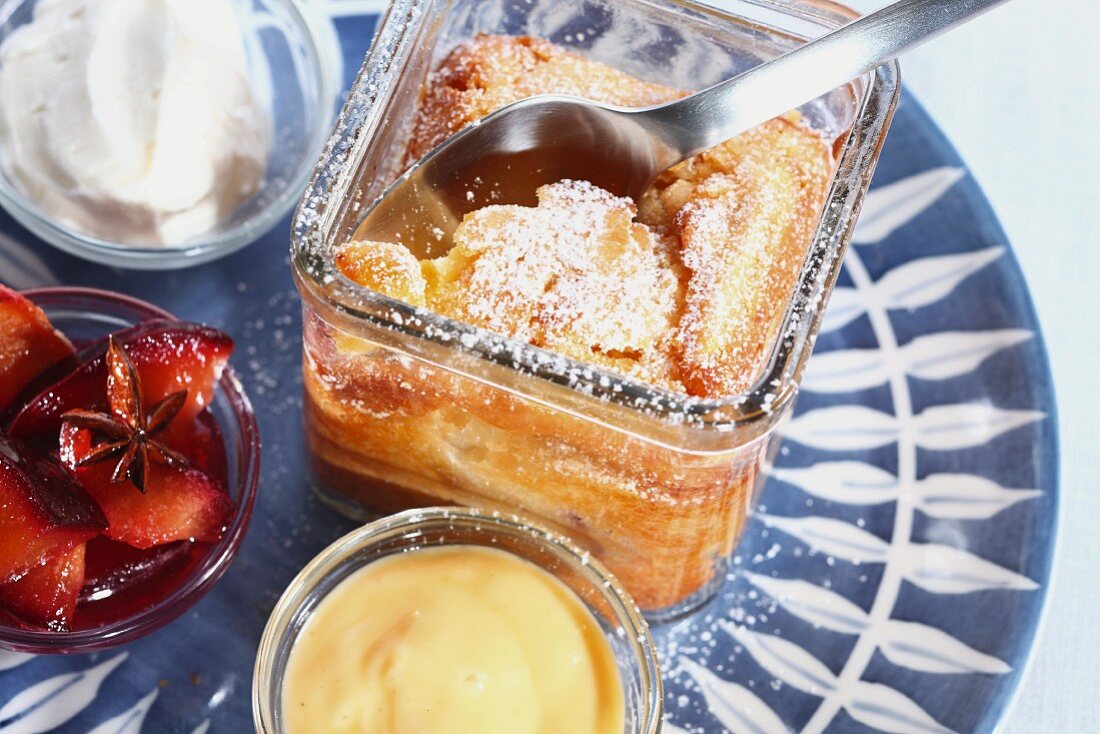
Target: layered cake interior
(684,290)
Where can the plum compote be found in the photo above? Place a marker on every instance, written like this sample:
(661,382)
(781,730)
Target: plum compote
(112,468)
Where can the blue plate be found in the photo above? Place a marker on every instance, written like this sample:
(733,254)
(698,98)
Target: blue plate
(893,579)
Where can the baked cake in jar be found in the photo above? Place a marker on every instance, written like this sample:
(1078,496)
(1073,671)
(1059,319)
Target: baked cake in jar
(684,290)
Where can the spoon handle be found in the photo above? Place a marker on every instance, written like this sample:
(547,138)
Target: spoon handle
(707,118)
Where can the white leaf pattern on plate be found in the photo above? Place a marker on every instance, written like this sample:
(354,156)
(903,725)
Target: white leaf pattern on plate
(945,496)
(965,497)
(845,370)
(848,482)
(784,659)
(891,206)
(881,707)
(820,607)
(832,537)
(915,284)
(50,703)
(942,569)
(952,427)
(736,707)
(934,568)
(130,721)
(935,357)
(920,647)
(922,282)
(845,306)
(9,660)
(942,427)
(843,428)
(955,353)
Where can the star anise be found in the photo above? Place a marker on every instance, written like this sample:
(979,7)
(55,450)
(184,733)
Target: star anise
(128,431)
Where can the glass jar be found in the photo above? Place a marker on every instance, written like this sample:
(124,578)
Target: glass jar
(293,68)
(405,407)
(601,594)
(85,316)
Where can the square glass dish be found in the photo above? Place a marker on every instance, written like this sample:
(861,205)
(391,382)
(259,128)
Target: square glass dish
(406,407)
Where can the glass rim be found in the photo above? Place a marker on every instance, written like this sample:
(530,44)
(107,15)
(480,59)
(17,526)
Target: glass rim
(216,560)
(203,247)
(625,613)
(748,415)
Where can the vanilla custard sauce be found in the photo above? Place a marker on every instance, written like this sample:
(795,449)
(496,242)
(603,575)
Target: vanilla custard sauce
(456,639)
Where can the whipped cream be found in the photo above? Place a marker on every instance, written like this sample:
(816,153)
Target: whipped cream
(132,120)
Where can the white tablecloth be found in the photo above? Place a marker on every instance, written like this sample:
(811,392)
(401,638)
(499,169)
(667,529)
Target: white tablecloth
(1018,93)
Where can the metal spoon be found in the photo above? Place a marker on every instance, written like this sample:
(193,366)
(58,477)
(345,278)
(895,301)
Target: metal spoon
(506,156)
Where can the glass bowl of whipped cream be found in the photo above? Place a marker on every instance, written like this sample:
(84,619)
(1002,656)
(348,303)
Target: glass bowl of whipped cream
(160,134)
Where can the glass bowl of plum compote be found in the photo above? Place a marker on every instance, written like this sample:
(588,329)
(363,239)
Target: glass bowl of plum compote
(129,462)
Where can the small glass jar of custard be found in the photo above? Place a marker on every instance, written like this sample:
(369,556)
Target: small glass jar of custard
(454,620)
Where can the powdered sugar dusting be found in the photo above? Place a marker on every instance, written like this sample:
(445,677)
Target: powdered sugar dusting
(315,222)
(575,275)
(580,275)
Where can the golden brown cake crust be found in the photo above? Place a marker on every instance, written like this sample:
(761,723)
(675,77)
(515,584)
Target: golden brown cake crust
(687,295)
(744,230)
(490,72)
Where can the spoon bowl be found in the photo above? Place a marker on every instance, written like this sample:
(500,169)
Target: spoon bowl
(506,156)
